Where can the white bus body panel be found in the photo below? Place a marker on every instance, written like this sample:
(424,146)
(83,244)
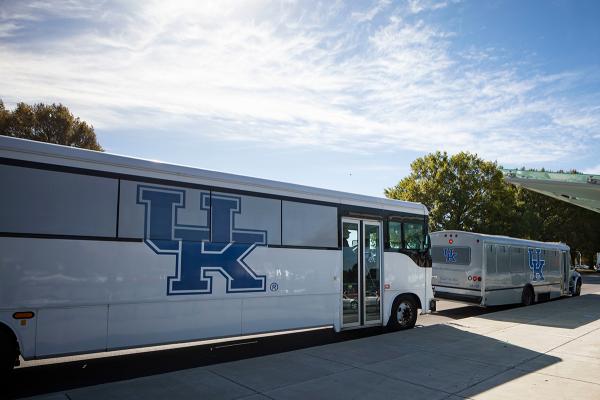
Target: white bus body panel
(404,276)
(66,280)
(503,281)
(110,290)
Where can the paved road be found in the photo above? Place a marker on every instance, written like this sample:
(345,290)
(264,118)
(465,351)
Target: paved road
(47,376)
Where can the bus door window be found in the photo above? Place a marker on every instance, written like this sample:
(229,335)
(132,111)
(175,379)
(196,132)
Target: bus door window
(372,272)
(350,278)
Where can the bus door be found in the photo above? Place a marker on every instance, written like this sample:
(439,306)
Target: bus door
(566,271)
(361,272)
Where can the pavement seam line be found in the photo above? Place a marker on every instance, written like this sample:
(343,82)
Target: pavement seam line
(515,367)
(357,368)
(561,377)
(573,339)
(553,349)
(505,369)
(232,381)
(407,381)
(295,383)
(306,381)
(329,359)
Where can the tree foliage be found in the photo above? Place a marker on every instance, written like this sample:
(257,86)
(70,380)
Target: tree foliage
(461,191)
(550,220)
(464,192)
(47,123)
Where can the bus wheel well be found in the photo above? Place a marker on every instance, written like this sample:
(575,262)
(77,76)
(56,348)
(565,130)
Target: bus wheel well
(8,339)
(413,297)
(404,312)
(528,296)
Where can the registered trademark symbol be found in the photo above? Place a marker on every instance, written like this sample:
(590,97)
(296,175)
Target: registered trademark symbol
(274,287)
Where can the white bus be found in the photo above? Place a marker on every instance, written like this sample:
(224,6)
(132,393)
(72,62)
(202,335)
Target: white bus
(490,270)
(102,252)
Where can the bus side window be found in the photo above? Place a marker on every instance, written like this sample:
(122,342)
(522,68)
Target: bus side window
(491,258)
(517,260)
(395,231)
(413,236)
(503,261)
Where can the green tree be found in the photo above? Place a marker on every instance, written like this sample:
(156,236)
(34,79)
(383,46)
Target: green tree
(47,123)
(467,193)
(546,219)
(461,192)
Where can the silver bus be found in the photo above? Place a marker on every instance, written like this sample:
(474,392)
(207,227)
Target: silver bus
(489,270)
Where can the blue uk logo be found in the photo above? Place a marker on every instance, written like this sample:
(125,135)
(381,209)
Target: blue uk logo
(450,255)
(198,252)
(536,264)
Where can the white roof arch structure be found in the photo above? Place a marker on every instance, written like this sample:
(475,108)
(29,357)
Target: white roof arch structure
(582,190)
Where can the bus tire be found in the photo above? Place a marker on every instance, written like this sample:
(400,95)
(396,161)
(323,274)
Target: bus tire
(8,351)
(404,313)
(577,291)
(528,296)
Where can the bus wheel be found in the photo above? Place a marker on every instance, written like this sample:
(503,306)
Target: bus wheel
(528,297)
(404,313)
(577,288)
(8,352)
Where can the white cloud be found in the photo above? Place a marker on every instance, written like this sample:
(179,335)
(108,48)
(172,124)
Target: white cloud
(290,75)
(371,12)
(418,6)
(592,170)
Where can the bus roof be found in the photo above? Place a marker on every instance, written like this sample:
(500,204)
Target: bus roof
(38,152)
(503,239)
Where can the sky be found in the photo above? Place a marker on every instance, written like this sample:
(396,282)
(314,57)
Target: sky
(332,94)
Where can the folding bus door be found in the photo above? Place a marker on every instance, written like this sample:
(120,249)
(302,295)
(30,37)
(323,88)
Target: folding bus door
(361,275)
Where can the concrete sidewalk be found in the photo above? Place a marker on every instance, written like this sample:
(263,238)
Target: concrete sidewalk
(550,350)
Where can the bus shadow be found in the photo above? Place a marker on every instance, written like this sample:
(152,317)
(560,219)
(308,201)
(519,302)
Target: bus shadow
(461,362)
(426,361)
(458,357)
(471,311)
(65,375)
(566,313)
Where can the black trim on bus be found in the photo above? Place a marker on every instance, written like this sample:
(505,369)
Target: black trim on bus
(344,208)
(494,289)
(118,207)
(506,288)
(133,240)
(456,287)
(521,287)
(465,298)
(361,273)
(288,246)
(68,237)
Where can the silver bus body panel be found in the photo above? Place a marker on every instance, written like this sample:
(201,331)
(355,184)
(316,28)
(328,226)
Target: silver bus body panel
(499,268)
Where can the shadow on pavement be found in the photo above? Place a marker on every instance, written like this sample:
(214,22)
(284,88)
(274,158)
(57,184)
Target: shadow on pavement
(422,363)
(562,313)
(62,376)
